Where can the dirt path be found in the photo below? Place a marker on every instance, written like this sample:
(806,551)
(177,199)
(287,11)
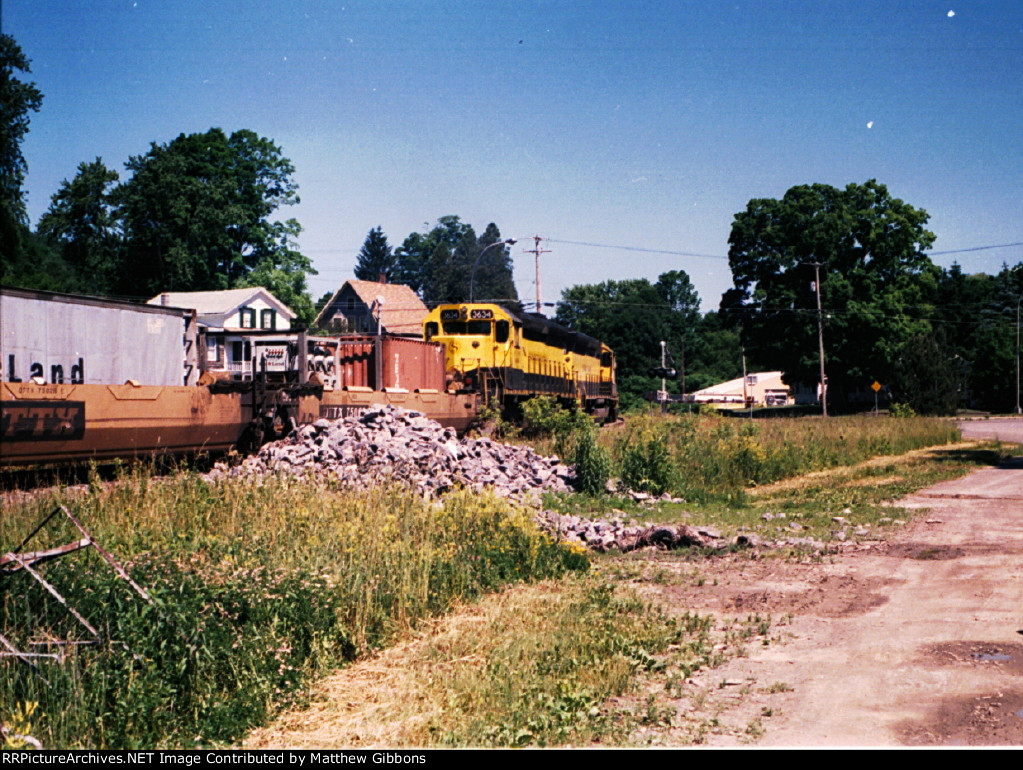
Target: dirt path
(917,641)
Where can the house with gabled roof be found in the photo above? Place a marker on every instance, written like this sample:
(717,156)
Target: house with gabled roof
(242,331)
(250,308)
(364,307)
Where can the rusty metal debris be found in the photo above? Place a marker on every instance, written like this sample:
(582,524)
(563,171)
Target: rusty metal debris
(27,561)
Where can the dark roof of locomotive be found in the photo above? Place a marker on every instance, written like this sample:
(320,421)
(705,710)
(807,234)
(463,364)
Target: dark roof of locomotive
(556,334)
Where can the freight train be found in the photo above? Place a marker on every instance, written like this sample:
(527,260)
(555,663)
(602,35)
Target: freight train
(90,378)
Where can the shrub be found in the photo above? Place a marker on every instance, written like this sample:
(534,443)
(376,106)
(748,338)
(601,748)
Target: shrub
(901,410)
(648,466)
(592,463)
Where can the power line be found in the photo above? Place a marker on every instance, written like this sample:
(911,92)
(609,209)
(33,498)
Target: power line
(639,248)
(683,253)
(725,256)
(977,248)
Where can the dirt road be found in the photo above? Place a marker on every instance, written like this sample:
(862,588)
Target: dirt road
(917,641)
(1006,429)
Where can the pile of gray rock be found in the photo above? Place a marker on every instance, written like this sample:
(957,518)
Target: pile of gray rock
(387,443)
(614,534)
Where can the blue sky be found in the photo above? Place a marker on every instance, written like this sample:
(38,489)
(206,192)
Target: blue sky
(641,124)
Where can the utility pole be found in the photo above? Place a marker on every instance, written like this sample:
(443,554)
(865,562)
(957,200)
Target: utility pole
(536,251)
(820,338)
(682,369)
(662,394)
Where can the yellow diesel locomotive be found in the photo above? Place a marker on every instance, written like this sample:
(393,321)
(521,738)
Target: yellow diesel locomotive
(508,356)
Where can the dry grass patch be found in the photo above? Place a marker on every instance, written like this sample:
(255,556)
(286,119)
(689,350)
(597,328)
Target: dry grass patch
(533,665)
(859,474)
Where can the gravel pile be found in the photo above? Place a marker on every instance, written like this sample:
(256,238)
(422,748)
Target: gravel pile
(614,534)
(387,443)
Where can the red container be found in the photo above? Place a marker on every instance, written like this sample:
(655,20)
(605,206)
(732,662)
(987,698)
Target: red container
(390,362)
(411,364)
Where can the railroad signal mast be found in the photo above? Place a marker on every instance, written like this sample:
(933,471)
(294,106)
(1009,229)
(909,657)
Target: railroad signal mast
(536,251)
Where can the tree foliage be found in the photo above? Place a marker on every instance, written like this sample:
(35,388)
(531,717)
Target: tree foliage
(930,375)
(81,224)
(877,285)
(715,355)
(978,314)
(17,100)
(376,257)
(197,213)
(438,265)
(633,317)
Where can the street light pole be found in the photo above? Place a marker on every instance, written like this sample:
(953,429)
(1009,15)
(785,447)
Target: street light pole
(472,278)
(1018,411)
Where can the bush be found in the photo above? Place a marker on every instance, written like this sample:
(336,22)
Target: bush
(902,410)
(647,466)
(592,463)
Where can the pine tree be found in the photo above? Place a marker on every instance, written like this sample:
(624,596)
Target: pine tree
(375,257)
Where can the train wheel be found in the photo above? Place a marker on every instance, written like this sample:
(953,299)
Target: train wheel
(282,424)
(252,438)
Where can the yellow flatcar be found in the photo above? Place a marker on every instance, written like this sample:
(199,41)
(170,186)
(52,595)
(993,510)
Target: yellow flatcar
(508,356)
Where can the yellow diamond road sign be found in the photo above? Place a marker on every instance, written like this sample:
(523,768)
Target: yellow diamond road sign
(876,386)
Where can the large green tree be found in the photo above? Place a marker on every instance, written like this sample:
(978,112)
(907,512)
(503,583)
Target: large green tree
(633,317)
(876,283)
(439,264)
(979,314)
(18,99)
(81,224)
(376,257)
(198,214)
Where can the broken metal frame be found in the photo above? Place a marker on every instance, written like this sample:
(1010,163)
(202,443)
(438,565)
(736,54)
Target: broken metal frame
(12,562)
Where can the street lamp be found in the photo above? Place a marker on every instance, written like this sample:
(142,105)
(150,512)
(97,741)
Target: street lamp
(1018,411)
(472,278)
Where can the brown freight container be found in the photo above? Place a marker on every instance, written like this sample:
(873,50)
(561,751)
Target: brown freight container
(356,362)
(411,364)
(390,362)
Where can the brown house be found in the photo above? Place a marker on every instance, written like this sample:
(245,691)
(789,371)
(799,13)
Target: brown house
(359,306)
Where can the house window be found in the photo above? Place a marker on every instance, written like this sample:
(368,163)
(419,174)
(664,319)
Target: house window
(268,319)
(247,317)
(213,350)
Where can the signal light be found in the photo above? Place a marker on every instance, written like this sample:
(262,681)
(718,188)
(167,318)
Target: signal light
(666,373)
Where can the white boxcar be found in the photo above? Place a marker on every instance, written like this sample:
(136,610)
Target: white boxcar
(53,338)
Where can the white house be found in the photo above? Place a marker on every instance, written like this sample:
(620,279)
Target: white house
(251,308)
(239,327)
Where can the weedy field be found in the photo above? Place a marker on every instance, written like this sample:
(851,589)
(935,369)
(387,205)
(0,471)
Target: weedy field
(261,589)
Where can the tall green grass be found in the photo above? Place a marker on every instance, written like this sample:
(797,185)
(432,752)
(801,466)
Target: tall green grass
(712,458)
(256,587)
